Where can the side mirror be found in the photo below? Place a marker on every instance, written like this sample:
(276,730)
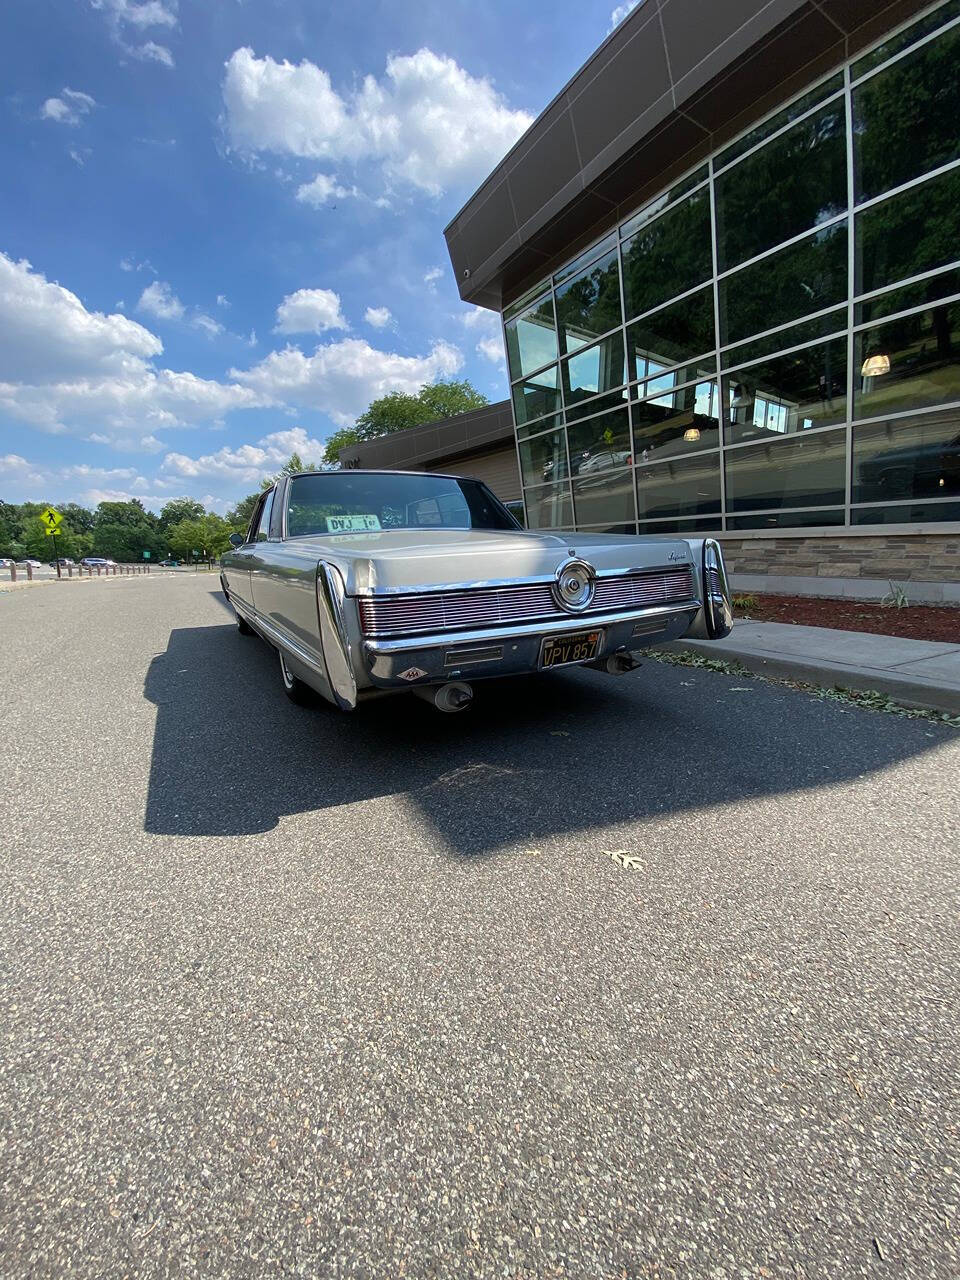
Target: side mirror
(236,539)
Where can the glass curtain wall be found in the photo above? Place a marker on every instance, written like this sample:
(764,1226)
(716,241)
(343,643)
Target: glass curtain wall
(775,340)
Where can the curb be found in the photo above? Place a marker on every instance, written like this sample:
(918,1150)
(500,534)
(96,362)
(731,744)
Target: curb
(911,692)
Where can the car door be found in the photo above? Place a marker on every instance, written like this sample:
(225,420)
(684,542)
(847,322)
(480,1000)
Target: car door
(238,564)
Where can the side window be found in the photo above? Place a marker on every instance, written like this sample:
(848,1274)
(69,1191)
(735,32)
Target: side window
(263,528)
(251,534)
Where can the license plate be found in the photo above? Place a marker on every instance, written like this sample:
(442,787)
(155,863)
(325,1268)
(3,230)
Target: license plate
(580,646)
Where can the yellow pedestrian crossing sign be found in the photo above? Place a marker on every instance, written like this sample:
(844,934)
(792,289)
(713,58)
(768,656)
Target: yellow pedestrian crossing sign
(52,519)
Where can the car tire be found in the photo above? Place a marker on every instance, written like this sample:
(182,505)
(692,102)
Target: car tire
(243,626)
(294,688)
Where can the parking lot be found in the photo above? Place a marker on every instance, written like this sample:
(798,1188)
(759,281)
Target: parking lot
(292,992)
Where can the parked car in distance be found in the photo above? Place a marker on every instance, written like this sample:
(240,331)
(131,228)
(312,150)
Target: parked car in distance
(6,562)
(366,581)
(62,562)
(33,564)
(168,563)
(91,562)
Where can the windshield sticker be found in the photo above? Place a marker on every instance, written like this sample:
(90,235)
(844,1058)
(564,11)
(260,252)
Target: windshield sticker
(352,524)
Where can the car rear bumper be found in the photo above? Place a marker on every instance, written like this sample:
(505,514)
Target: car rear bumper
(513,650)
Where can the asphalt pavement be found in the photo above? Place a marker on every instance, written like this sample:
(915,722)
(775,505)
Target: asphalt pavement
(293,992)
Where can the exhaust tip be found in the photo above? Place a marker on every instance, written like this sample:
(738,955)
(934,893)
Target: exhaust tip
(455,695)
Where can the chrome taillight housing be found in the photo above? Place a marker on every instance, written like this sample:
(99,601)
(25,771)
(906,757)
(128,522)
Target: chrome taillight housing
(717,603)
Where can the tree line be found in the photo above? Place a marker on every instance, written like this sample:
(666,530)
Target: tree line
(124,531)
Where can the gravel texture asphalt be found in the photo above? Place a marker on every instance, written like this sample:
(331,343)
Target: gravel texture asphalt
(291,992)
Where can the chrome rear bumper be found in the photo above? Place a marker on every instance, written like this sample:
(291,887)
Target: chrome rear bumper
(512,650)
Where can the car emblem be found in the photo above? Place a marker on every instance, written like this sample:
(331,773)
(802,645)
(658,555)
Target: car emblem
(412,673)
(574,585)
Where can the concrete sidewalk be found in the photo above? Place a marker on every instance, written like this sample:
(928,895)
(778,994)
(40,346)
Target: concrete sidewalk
(915,672)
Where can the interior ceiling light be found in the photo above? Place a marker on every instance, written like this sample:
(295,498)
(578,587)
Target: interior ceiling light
(692,433)
(874,366)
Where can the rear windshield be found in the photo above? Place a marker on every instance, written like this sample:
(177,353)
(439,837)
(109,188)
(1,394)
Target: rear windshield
(345,502)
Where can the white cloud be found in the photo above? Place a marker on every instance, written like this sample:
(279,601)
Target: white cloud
(79,155)
(431,277)
(322,190)
(206,324)
(222,300)
(69,108)
(63,367)
(426,123)
(129,264)
(378,317)
(12,462)
(249,463)
(46,329)
(485,324)
(491,349)
(310,311)
(137,17)
(158,300)
(341,378)
(620,12)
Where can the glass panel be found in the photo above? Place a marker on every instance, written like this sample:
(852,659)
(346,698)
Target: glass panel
(910,295)
(669,381)
(676,333)
(710,525)
(806,471)
(832,322)
(797,181)
(906,119)
(549,507)
(669,256)
(543,458)
(521,303)
(904,39)
(604,497)
(677,423)
(599,443)
(655,207)
(589,304)
(630,528)
(534,428)
(613,400)
(531,339)
(595,251)
(925,514)
(597,368)
(790,394)
(916,231)
(907,458)
(537,396)
(776,122)
(804,277)
(786,520)
(681,488)
(908,363)
(263,529)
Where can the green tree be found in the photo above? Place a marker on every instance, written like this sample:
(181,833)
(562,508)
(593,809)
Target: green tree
(178,509)
(124,530)
(210,536)
(400,410)
(241,515)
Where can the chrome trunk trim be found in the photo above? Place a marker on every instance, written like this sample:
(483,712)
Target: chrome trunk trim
(334,641)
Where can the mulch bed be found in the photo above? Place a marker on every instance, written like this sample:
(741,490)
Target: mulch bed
(940,623)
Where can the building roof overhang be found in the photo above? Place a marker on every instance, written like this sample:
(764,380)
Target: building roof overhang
(673,81)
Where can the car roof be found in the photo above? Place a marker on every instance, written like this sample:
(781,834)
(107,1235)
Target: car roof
(378,471)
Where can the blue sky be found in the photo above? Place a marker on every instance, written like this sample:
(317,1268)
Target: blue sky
(221,228)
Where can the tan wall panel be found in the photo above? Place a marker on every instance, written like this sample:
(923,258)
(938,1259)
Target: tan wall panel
(497,469)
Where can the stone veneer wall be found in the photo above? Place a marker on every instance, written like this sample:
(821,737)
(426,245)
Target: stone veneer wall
(907,557)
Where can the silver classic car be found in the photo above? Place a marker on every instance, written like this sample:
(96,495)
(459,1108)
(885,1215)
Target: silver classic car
(372,581)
